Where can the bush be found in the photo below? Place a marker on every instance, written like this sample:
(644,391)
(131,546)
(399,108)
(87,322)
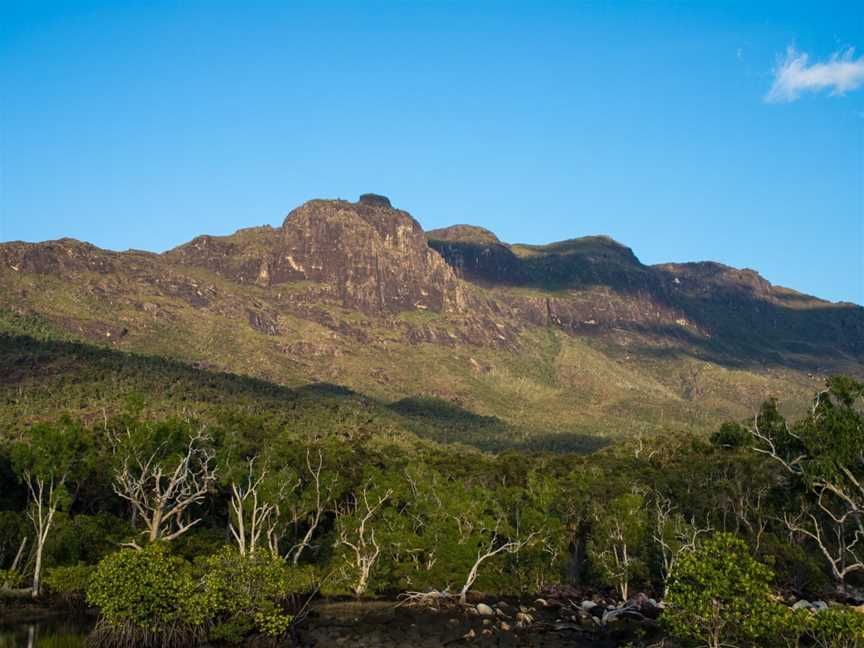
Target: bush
(720,595)
(69,582)
(836,628)
(244,593)
(147,598)
(11,579)
(730,435)
(797,568)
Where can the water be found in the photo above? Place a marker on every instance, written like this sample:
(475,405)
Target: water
(56,632)
(367,624)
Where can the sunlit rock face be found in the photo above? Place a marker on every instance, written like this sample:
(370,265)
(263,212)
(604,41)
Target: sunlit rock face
(375,256)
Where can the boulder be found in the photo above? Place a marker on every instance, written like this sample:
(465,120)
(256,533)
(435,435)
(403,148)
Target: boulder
(819,606)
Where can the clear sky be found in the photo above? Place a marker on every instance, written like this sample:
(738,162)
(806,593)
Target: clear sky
(729,131)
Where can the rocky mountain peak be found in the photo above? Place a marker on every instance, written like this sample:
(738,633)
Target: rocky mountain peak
(375,256)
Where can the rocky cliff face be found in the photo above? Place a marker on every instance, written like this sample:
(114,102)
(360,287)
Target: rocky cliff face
(594,284)
(376,257)
(371,257)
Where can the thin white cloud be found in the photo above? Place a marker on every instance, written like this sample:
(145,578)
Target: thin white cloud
(794,75)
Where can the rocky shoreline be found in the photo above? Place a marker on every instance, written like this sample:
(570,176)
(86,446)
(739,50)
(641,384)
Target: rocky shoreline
(542,623)
(560,618)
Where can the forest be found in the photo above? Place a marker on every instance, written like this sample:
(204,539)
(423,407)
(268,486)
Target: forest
(225,529)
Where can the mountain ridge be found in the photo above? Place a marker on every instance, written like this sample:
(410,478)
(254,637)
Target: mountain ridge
(574,332)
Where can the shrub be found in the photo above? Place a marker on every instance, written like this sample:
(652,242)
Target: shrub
(720,595)
(246,593)
(147,598)
(797,568)
(10,578)
(836,628)
(69,582)
(730,435)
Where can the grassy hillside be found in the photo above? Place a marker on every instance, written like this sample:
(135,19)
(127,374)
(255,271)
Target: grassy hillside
(584,396)
(46,374)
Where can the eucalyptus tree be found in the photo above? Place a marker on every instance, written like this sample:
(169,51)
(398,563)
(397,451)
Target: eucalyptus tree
(619,541)
(164,472)
(317,488)
(253,510)
(823,456)
(53,461)
(358,521)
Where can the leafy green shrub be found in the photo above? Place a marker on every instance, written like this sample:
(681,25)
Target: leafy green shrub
(720,595)
(69,582)
(85,538)
(730,435)
(797,568)
(147,598)
(250,592)
(836,628)
(10,578)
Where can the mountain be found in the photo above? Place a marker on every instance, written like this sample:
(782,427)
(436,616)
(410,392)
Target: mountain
(574,337)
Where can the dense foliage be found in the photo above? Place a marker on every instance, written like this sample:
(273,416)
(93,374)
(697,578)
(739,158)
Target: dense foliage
(719,594)
(219,523)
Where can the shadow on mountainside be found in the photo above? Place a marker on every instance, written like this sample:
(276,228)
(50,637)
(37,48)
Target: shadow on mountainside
(42,379)
(442,421)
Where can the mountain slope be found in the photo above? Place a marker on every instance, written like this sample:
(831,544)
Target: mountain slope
(576,337)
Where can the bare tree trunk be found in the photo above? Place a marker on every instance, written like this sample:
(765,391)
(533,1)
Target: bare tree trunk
(364,545)
(261,514)
(511,547)
(41,514)
(161,497)
(316,478)
(14,568)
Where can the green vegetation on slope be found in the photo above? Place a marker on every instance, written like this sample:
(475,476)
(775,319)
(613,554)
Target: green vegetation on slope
(712,525)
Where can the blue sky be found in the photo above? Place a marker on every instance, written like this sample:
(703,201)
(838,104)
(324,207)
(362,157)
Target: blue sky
(687,130)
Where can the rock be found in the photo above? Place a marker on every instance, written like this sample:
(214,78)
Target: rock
(524,618)
(588,605)
(375,200)
(819,606)
(801,605)
(485,610)
(541,602)
(504,626)
(375,257)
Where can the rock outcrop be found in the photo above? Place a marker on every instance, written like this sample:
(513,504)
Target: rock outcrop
(375,256)
(367,255)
